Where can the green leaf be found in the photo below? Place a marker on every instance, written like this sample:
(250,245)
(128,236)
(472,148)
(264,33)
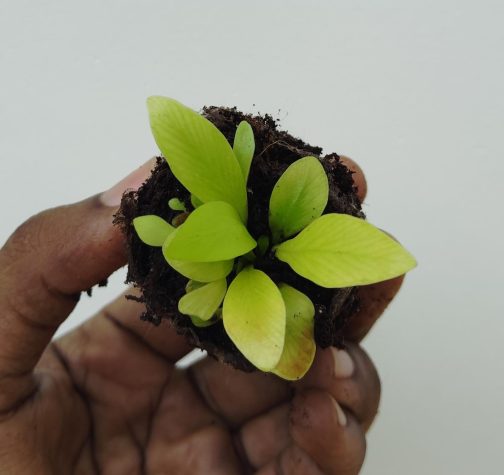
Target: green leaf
(299,349)
(299,196)
(199,271)
(254,318)
(198,322)
(202,271)
(338,250)
(152,230)
(243,147)
(195,201)
(262,245)
(204,301)
(197,153)
(193,285)
(212,232)
(176,205)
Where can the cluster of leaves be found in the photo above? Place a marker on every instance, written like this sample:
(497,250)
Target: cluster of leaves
(270,323)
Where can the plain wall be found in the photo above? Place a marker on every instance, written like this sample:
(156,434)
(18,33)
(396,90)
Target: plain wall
(411,90)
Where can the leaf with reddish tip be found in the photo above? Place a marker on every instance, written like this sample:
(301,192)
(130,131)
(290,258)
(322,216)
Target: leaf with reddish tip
(299,349)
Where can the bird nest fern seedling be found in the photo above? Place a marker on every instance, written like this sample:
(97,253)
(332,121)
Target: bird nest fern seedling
(249,240)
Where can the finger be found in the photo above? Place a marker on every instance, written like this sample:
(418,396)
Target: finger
(292,461)
(358,176)
(264,437)
(350,377)
(235,395)
(44,266)
(332,437)
(373,300)
(323,438)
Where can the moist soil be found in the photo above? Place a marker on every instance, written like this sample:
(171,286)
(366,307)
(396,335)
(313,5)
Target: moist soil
(162,287)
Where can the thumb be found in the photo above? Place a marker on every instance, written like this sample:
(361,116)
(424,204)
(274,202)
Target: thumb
(44,266)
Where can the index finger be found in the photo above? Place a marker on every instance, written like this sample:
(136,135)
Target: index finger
(373,299)
(357,175)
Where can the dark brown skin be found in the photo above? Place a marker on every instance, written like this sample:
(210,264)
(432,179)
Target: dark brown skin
(107,398)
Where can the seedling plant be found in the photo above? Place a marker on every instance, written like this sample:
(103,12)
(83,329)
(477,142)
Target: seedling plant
(271,323)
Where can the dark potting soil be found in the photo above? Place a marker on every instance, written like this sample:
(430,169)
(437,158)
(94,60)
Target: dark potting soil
(162,287)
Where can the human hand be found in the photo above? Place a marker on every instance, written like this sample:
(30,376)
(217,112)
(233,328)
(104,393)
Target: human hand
(107,398)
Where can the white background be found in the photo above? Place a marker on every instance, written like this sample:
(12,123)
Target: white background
(411,90)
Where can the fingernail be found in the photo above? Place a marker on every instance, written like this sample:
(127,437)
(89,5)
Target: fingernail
(340,413)
(343,364)
(133,181)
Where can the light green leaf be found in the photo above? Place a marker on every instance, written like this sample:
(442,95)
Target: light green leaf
(202,271)
(152,230)
(212,232)
(195,201)
(198,322)
(176,205)
(203,302)
(299,349)
(193,285)
(338,250)
(299,196)
(197,153)
(244,146)
(199,271)
(254,318)
(262,245)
